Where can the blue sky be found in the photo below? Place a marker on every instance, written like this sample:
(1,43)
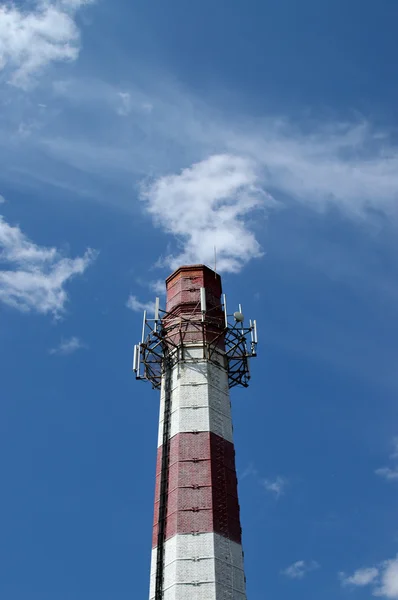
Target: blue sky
(134,136)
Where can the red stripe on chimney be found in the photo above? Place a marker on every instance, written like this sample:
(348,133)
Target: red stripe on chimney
(202,487)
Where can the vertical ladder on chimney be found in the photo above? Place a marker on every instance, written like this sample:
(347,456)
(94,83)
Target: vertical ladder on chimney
(164,482)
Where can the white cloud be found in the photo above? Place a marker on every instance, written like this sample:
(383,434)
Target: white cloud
(388,585)
(250,471)
(383,578)
(348,165)
(68,346)
(35,276)
(299,569)
(390,473)
(351,167)
(2,199)
(158,286)
(74,4)
(125,104)
(276,487)
(360,578)
(134,304)
(205,206)
(394,454)
(32,39)
(102,96)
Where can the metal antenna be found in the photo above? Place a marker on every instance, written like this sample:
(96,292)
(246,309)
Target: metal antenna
(157,306)
(159,335)
(143,327)
(203,302)
(215,262)
(225,310)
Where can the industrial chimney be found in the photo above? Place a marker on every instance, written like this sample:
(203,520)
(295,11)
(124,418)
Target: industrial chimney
(194,352)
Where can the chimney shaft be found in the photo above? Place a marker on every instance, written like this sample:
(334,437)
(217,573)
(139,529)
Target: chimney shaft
(196,517)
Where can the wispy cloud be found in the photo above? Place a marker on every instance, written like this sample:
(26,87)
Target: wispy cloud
(2,199)
(300,569)
(181,145)
(276,486)
(360,578)
(388,473)
(349,165)
(158,286)
(250,471)
(125,104)
(128,103)
(383,579)
(35,276)
(204,206)
(32,39)
(391,473)
(69,346)
(137,306)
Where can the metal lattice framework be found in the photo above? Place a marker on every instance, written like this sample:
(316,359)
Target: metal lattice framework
(166,336)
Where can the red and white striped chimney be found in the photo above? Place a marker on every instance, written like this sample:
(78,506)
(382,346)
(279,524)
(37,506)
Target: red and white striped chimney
(197,546)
